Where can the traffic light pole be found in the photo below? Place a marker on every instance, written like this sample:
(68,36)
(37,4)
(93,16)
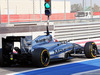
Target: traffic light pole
(47,13)
(48,21)
(47,27)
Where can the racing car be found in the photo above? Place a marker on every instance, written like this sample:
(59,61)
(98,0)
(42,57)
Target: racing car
(41,51)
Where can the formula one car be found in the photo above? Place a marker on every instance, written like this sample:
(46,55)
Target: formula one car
(41,50)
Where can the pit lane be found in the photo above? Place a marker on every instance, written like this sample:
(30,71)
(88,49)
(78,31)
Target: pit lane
(19,68)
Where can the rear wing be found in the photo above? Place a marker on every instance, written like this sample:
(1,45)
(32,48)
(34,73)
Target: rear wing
(9,41)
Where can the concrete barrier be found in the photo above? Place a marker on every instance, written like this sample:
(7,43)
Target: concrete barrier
(29,30)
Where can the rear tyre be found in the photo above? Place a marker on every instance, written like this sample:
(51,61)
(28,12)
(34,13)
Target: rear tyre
(1,58)
(4,60)
(40,57)
(90,50)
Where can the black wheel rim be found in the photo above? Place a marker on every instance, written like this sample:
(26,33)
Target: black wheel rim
(45,57)
(94,50)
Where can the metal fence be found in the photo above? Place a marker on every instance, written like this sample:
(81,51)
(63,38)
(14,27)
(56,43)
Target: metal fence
(14,11)
(78,31)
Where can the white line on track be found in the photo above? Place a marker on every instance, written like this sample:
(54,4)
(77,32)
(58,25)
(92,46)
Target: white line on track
(87,72)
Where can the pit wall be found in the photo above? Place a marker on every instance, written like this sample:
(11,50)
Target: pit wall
(79,33)
(33,31)
(29,17)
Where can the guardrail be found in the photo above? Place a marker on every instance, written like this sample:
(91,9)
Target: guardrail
(79,31)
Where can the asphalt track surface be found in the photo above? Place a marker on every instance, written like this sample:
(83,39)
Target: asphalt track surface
(74,68)
(19,68)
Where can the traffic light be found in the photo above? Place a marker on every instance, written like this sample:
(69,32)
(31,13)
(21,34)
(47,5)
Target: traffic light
(47,7)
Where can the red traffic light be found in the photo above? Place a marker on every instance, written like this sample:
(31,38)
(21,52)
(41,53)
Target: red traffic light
(47,0)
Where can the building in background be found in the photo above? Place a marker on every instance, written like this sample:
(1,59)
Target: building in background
(32,10)
(26,6)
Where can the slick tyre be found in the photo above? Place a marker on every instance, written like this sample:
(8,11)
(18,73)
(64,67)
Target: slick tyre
(40,57)
(1,58)
(4,62)
(90,50)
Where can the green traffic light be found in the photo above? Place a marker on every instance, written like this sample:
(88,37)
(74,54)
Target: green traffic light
(47,5)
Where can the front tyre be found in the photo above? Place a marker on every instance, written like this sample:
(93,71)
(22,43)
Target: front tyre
(40,57)
(90,50)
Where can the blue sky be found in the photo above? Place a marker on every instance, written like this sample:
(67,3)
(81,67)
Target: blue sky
(80,1)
